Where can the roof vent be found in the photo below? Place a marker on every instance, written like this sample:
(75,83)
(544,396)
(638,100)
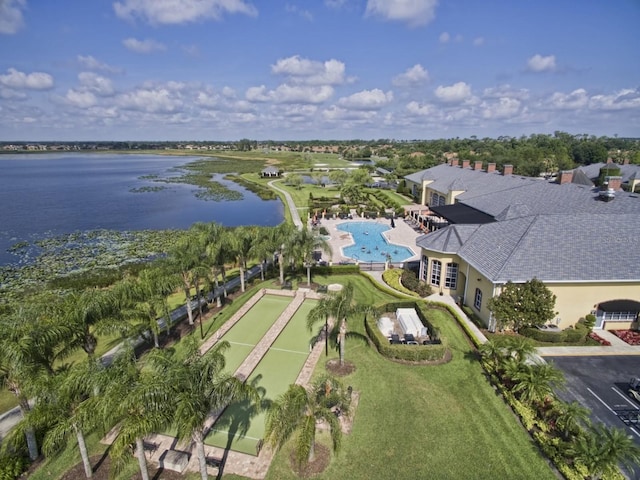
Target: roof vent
(607,193)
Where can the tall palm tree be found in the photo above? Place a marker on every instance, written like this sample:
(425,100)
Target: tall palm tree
(284,240)
(240,242)
(520,348)
(261,248)
(199,386)
(29,345)
(146,298)
(212,236)
(68,408)
(306,243)
(296,412)
(139,403)
(341,306)
(602,449)
(184,258)
(536,382)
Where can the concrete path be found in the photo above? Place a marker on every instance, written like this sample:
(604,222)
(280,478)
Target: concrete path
(293,209)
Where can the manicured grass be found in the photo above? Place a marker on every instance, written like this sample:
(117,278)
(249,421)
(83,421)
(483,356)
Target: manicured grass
(442,422)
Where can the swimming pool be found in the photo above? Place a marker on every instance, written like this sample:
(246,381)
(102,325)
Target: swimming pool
(370,244)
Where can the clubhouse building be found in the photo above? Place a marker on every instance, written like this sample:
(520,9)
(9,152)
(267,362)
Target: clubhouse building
(483,228)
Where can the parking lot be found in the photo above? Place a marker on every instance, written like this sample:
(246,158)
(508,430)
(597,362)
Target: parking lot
(600,383)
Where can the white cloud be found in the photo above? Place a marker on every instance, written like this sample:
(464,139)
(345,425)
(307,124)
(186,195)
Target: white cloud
(367,100)
(143,46)
(337,114)
(11,16)
(506,91)
(538,63)
(444,37)
(413,76)
(575,100)
(622,100)
(91,63)
(31,81)
(413,12)
(181,11)
(311,72)
(285,93)
(207,99)
(456,93)
(294,9)
(478,41)
(503,108)
(228,92)
(160,99)
(95,83)
(416,108)
(80,99)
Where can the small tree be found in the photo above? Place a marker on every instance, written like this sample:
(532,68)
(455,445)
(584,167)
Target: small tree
(523,304)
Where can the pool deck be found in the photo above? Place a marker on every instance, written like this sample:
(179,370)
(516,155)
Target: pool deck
(403,234)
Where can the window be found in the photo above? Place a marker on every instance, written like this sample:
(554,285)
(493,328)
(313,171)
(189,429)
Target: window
(436,267)
(424,266)
(437,200)
(451,276)
(477,302)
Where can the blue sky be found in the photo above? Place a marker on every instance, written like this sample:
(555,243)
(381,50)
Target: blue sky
(317,69)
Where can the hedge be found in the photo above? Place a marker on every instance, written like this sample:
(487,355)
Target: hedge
(411,353)
(568,335)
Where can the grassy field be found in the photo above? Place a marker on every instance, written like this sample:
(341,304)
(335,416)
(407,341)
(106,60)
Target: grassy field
(440,422)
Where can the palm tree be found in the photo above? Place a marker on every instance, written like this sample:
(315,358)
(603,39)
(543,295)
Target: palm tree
(261,248)
(284,241)
(492,353)
(570,416)
(28,349)
(520,348)
(146,298)
(602,449)
(536,382)
(184,258)
(67,408)
(87,313)
(212,236)
(341,306)
(296,412)
(306,243)
(138,401)
(199,386)
(241,240)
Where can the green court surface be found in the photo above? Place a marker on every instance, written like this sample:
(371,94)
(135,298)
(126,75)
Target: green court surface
(241,427)
(248,331)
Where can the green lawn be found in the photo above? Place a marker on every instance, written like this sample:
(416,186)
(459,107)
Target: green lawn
(442,422)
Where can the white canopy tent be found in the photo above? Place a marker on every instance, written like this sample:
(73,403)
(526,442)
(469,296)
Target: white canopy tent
(410,322)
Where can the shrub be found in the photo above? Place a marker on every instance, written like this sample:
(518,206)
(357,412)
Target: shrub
(589,321)
(410,281)
(12,466)
(392,278)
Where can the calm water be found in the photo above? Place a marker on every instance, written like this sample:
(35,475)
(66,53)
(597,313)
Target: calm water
(52,194)
(370,244)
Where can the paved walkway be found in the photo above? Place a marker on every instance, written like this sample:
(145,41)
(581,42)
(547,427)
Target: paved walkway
(293,209)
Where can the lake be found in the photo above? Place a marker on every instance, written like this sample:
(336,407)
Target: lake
(45,195)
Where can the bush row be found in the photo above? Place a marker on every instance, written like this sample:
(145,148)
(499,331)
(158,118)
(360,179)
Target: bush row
(411,353)
(568,335)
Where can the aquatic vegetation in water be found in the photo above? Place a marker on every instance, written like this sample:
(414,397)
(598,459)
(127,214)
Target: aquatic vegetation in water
(50,258)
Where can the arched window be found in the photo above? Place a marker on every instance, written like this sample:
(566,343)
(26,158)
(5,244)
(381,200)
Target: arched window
(451,276)
(436,268)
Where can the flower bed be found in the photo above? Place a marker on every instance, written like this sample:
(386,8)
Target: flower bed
(632,337)
(600,340)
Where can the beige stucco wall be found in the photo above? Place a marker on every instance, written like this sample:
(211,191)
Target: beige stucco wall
(573,300)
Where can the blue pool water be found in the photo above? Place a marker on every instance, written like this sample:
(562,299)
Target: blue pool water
(370,244)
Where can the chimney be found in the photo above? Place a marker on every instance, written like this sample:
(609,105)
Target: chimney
(465,163)
(565,177)
(454,162)
(507,170)
(625,161)
(477,165)
(614,183)
(491,167)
